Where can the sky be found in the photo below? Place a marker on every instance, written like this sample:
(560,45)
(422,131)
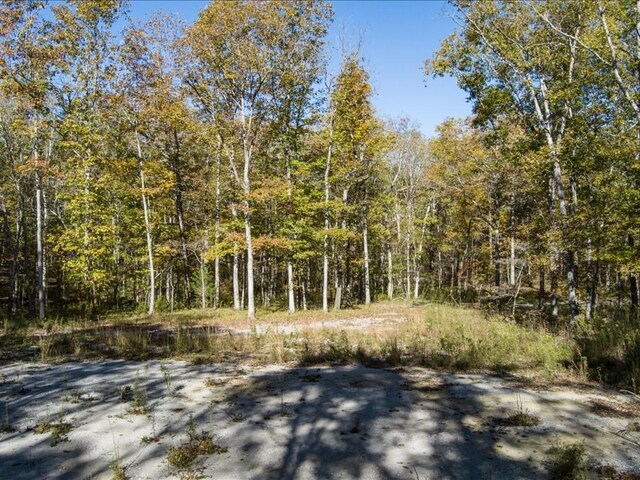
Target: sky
(395,36)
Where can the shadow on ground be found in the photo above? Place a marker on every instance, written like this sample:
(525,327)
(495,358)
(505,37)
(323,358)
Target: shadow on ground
(328,422)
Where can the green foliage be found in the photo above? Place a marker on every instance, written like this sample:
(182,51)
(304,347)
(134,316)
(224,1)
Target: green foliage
(610,343)
(568,462)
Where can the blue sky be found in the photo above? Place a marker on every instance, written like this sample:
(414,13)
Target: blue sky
(397,36)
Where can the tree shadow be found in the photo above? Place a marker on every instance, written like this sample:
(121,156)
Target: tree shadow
(356,422)
(293,422)
(88,395)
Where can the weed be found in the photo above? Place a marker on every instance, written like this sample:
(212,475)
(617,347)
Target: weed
(119,472)
(610,472)
(191,475)
(154,437)
(6,425)
(634,427)
(45,343)
(147,439)
(568,462)
(429,336)
(59,430)
(126,393)
(166,375)
(139,404)
(72,397)
(522,417)
(236,417)
(213,382)
(182,456)
(393,352)
(78,348)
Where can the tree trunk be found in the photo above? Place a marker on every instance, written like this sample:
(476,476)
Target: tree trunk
(235,274)
(342,273)
(512,264)
(417,257)
(12,263)
(408,269)
(236,285)
(592,289)
(290,283)
(203,286)
(541,292)
(216,235)
(290,288)
(147,228)
(389,271)
(39,248)
(572,284)
(365,246)
(554,292)
(183,239)
(251,309)
(496,256)
(303,287)
(633,281)
(325,245)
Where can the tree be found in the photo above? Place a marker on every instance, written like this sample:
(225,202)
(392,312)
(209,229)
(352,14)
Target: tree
(508,60)
(354,132)
(245,53)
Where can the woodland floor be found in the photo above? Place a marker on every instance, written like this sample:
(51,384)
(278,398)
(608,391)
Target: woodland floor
(301,422)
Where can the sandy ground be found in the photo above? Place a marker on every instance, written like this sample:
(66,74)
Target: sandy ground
(388,320)
(341,422)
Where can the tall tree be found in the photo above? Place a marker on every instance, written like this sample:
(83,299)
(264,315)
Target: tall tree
(245,54)
(502,58)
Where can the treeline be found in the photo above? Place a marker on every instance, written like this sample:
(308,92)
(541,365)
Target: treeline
(218,164)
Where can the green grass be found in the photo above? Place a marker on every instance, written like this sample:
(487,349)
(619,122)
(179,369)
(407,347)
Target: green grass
(610,345)
(435,336)
(59,430)
(568,462)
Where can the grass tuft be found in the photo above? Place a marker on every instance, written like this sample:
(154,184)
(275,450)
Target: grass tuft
(520,419)
(59,430)
(568,462)
(182,456)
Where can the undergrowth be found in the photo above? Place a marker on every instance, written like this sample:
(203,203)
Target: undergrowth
(568,462)
(435,336)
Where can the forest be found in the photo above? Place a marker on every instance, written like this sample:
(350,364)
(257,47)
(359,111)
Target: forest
(219,164)
(180,166)
(211,192)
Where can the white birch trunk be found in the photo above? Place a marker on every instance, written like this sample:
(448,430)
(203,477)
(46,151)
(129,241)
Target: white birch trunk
(235,273)
(39,249)
(365,240)
(251,308)
(325,245)
(216,239)
(292,300)
(512,273)
(389,272)
(203,285)
(147,228)
(290,284)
